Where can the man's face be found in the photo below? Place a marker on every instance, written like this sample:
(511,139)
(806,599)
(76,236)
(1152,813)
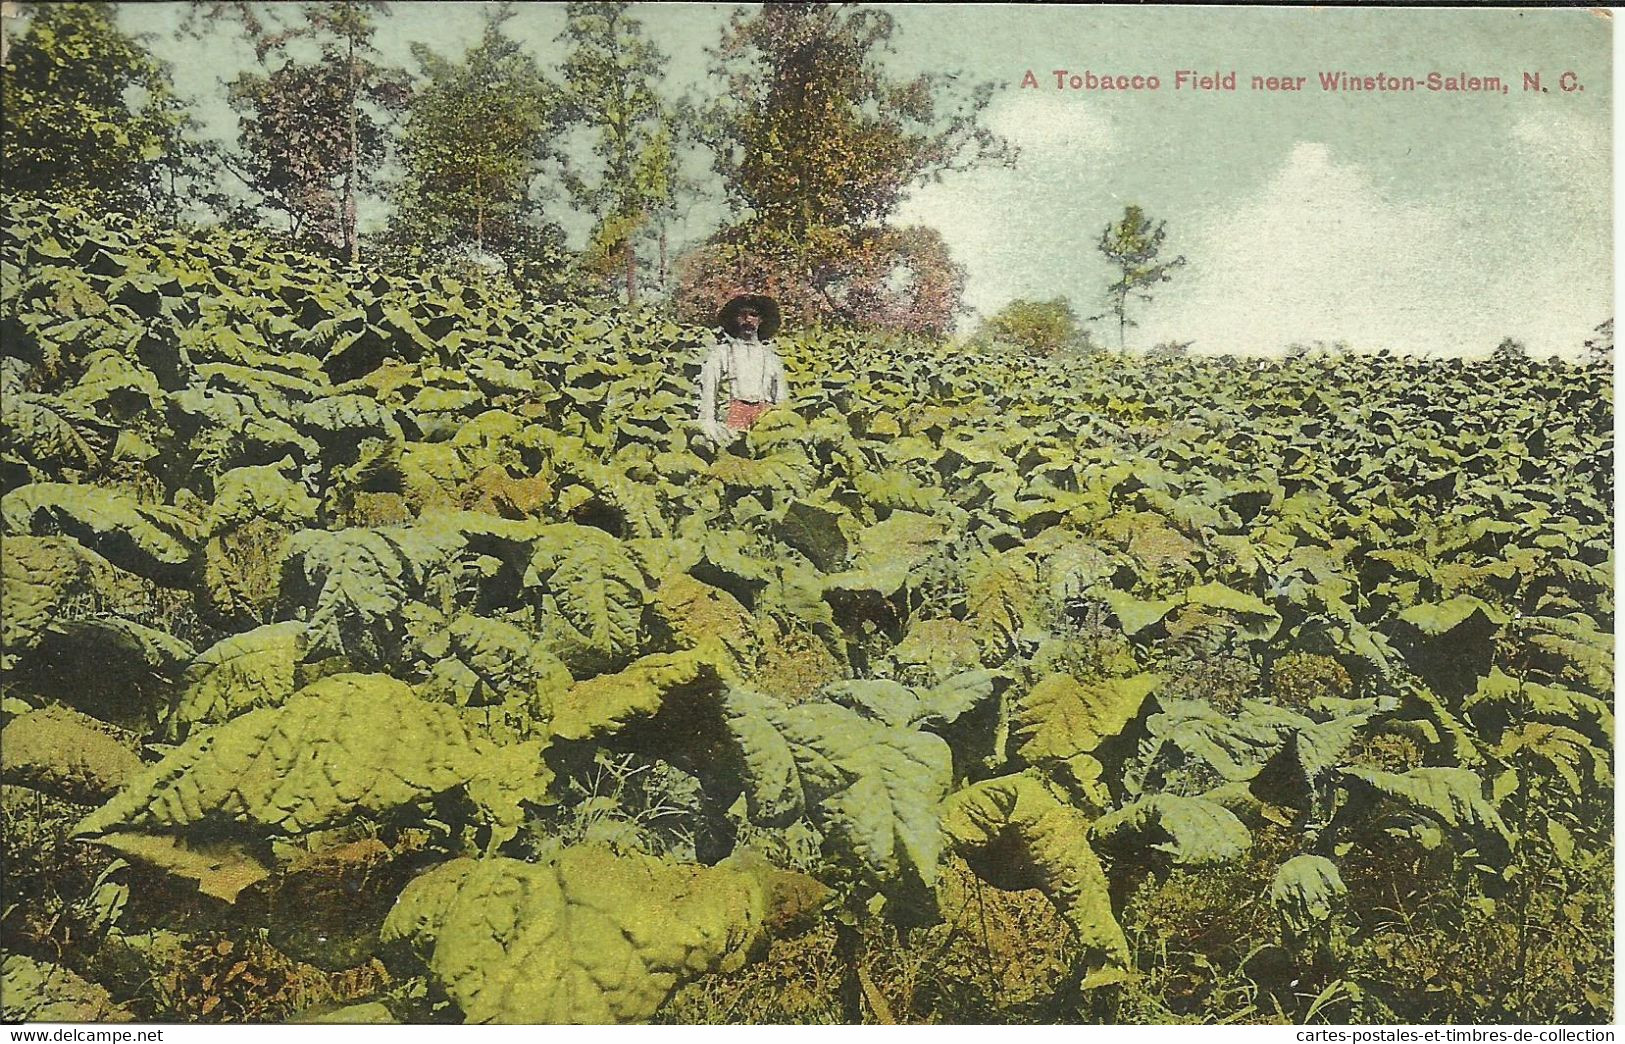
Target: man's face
(749,321)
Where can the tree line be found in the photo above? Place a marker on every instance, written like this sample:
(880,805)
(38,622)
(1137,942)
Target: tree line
(813,144)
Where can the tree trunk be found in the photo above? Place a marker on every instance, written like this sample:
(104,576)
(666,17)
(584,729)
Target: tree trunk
(1122,314)
(631,273)
(352,248)
(665,274)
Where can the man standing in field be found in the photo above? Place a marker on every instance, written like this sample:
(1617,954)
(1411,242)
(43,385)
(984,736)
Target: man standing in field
(744,358)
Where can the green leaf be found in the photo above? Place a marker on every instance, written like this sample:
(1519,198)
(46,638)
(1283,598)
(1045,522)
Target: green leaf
(1562,841)
(1551,703)
(1184,831)
(593,595)
(41,576)
(113,641)
(1438,619)
(1306,891)
(1016,835)
(897,705)
(53,433)
(1063,716)
(592,938)
(609,702)
(699,615)
(220,868)
(774,794)
(1576,651)
(356,583)
(942,647)
(264,492)
(818,529)
(1236,747)
(1135,615)
(34,991)
(1565,750)
(150,540)
(63,752)
(348,419)
(1000,596)
(238,674)
(871,787)
(346,746)
(1257,620)
(477,662)
(1454,796)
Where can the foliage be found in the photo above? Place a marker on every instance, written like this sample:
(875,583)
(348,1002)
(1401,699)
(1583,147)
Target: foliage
(295,152)
(1071,690)
(902,280)
(810,131)
(1600,346)
(594,938)
(90,116)
(476,134)
(1037,327)
(610,78)
(1510,350)
(311,132)
(816,145)
(1132,246)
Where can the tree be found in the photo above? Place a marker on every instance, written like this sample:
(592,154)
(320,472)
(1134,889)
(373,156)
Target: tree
(477,134)
(900,279)
(813,131)
(295,157)
(610,80)
(1037,327)
(1599,347)
(90,117)
(1132,245)
(311,132)
(1510,350)
(816,145)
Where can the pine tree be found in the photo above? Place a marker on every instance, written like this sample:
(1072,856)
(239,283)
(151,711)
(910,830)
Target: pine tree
(1133,245)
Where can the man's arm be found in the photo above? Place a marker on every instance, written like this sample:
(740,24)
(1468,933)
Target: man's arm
(710,378)
(777,390)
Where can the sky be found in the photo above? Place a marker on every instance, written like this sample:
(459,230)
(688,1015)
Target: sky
(1427,222)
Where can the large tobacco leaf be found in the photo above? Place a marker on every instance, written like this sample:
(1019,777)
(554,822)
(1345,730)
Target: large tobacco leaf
(34,991)
(64,752)
(40,580)
(53,433)
(1306,891)
(148,539)
(237,674)
(608,702)
(592,595)
(343,747)
(356,583)
(1452,796)
(1169,829)
(1063,716)
(873,787)
(1017,835)
(591,938)
(477,661)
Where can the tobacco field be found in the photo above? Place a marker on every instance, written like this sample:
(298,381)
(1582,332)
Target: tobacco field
(389,648)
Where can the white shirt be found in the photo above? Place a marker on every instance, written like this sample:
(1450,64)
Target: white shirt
(753,370)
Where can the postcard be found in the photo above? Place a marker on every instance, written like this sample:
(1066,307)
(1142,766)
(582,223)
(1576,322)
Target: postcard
(591,514)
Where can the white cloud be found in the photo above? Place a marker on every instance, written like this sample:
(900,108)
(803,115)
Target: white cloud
(1571,158)
(1047,125)
(1014,229)
(1321,252)
(1564,140)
